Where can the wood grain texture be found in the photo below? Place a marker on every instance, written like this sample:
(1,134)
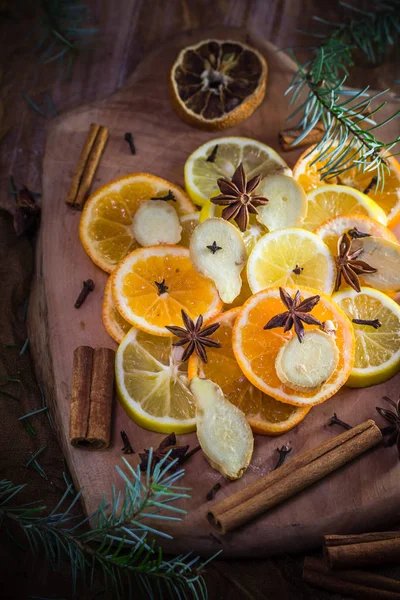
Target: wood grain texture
(361,496)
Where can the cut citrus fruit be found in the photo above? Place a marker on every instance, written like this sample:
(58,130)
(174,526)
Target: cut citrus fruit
(201,174)
(152,383)
(329,201)
(106,223)
(377,355)
(217,83)
(152,285)
(291,257)
(188,223)
(114,323)
(388,198)
(256,349)
(264,414)
(333,229)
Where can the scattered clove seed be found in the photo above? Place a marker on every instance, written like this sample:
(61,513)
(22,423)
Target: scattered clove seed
(128,137)
(88,286)
(297,270)
(283,452)
(355,234)
(127,449)
(169,196)
(336,421)
(371,185)
(375,323)
(212,493)
(213,247)
(213,155)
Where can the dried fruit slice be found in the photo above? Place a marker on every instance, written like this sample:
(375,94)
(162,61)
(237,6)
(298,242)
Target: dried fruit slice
(115,323)
(217,83)
(222,430)
(152,285)
(265,415)
(291,257)
(307,174)
(217,251)
(256,349)
(106,224)
(330,201)
(156,222)
(333,229)
(152,383)
(201,173)
(377,349)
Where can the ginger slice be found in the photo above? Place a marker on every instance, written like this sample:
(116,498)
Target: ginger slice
(308,364)
(217,251)
(156,222)
(222,429)
(287,205)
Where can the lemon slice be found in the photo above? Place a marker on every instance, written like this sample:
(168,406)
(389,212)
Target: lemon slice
(227,153)
(189,223)
(291,257)
(152,383)
(329,201)
(377,355)
(333,229)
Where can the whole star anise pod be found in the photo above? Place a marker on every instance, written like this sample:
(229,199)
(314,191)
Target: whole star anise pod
(348,266)
(237,196)
(391,433)
(297,311)
(194,336)
(168,444)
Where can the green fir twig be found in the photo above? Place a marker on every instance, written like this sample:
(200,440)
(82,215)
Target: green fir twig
(318,91)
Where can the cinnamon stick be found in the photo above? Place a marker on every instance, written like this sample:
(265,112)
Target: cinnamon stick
(293,477)
(92,397)
(87,164)
(288,136)
(358,584)
(367,549)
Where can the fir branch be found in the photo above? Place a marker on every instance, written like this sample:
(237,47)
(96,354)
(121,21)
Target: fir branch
(318,90)
(117,541)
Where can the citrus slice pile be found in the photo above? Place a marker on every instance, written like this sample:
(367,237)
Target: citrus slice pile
(106,223)
(216,84)
(152,383)
(388,198)
(330,201)
(333,229)
(152,285)
(256,349)
(291,257)
(264,414)
(377,355)
(201,173)
(114,323)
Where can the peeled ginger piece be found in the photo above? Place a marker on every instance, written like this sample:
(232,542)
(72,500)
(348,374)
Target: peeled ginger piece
(222,429)
(156,222)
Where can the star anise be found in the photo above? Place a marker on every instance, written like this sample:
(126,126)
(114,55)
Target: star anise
(194,336)
(168,444)
(297,311)
(391,433)
(348,266)
(237,196)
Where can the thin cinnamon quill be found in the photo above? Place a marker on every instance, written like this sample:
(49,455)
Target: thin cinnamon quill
(92,397)
(357,584)
(87,164)
(293,477)
(367,549)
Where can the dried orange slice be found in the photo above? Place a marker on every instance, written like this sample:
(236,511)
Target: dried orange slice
(152,285)
(388,198)
(264,414)
(106,223)
(114,323)
(256,349)
(217,83)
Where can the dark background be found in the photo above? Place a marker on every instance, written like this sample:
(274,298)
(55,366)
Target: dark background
(128,29)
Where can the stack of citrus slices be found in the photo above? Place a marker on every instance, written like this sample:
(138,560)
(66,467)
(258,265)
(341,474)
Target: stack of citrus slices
(286,280)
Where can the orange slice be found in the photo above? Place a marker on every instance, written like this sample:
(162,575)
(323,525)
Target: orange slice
(264,414)
(256,349)
(151,307)
(387,198)
(114,323)
(217,83)
(333,229)
(106,223)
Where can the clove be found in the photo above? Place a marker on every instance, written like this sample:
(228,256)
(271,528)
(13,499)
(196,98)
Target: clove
(88,286)
(336,421)
(283,452)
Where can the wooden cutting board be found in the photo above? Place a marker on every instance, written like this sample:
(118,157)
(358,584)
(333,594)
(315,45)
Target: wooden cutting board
(362,496)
